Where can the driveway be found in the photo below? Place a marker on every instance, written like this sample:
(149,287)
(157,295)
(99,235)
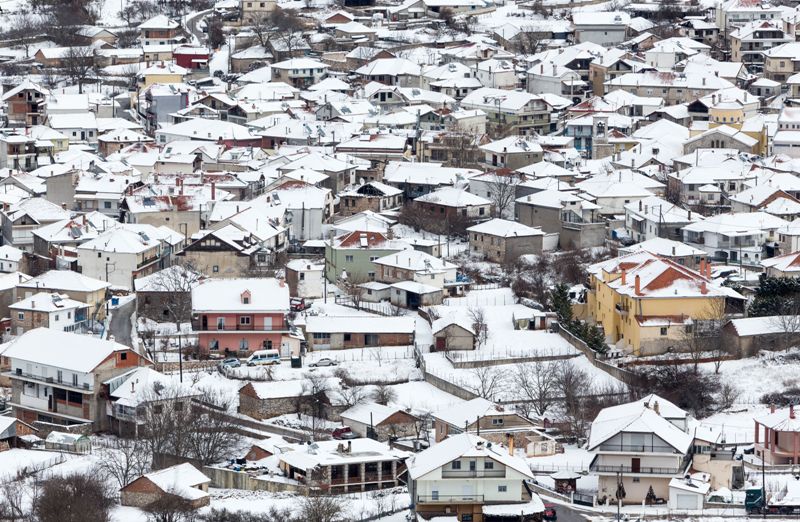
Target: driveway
(120,326)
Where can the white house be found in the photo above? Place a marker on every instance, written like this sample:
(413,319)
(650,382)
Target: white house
(735,237)
(644,443)
(465,475)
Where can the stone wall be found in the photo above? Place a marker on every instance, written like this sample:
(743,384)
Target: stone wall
(230,479)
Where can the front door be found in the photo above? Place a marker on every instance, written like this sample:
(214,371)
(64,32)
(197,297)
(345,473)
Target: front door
(441,344)
(636,465)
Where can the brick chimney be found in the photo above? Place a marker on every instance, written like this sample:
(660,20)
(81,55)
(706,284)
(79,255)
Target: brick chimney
(703,266)
(703,288)
(636,288)
(624,276)
(791,411)
(772,408)
(213,191)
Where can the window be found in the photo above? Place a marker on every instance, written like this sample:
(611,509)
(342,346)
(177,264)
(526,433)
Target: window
(348,259)
(60,375)
(371,339)
(244,344)
(75,379)
(636,479)
(220,323)
(347,337)
(21,316)
(497,422)
(106,204)
(245,300)
(99,254)
(215,269)
(481,211)
(502,488)
(488,464)
(456,464)
(56,318)
(321,336)
(302,276)
(123,356)
(663,330)
(245,319)
(213,344)
(435,494)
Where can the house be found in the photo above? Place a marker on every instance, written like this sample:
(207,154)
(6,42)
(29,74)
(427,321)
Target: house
(345,466)
(453,206)
(121,255)
(26,104)
(299,72)
(775,437)
(391,71)
(46,310)
(502,241)
(21,219)
(380,422)
(353,254)
(192,58)
(13,431)
(510,112)
(335,333)
(305,278)
(256,9)
(65,441)
(76,286)
(787,139)
(154,292)
(674,250)
(644,444)
(419,178)
(575,217)
(374,196)
(512,152)
(11,259)
(786,265)
(653,217)
(160,30)
(308,206)
(742,237)
(240,315)
(604,28)
(414,295)
(749,41)
(182,480)
(466,478)
(495,424)
(453,333)
(415,265)
(646,304)
(20,152)
(56,377)
(747,336)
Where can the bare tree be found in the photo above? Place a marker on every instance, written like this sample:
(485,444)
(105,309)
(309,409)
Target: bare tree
(703,336)
(170,508)
(322,508)
(479,325)
(384,394)
(312,397)
(351,286)
(23,28)
(178,281)
(352,395)
(125,461)
(536,382)
(488,380)
(77,64)
(502,188)
(13,502)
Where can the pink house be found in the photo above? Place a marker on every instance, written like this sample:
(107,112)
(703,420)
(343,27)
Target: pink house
(240,316)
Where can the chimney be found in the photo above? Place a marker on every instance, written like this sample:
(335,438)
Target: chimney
(640,205)
(690,215)
(510,442)
(349,446)
(624,275)
(656,408)
(708,269)
(703,266)
(791,411)
(636,285)
(703,288)
(673,251)
(213,191)
(772,408)
(64,205)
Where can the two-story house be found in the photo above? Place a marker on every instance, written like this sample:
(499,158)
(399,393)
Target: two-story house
(742,237)
(56,377)
(48,310)
(776,437)
(160,30)
(26,104)
(468,478)
(353,254)
(240,315)
(643,445)
(415,265)
(299,72)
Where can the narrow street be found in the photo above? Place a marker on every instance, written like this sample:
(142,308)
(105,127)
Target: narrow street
(120,326)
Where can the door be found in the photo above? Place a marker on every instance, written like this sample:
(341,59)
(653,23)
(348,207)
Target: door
(441,344)
(467,492)
(636,465)
(687,502)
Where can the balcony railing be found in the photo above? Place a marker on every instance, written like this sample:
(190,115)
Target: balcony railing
(644,470)
(242,327)
(85,386)
(473,473)
(449,499)
(636,448)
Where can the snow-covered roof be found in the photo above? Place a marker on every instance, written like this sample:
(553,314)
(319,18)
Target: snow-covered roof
(505,228)
(225,295)
(356,324)
(416,261)
(463,445)
(327,453)
(70,351)
(636,418)
(453,197)
(181,480)
(368,413)
(65,280)
(664,247)
(772,324)
(47,302)
(467,412)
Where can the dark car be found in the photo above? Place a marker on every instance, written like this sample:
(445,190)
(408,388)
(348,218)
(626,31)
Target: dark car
(549,512)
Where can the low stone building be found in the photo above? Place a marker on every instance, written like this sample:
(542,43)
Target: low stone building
(502,241)
(453,334)
(184,481)
(264,400)
(374,196)
(380,422)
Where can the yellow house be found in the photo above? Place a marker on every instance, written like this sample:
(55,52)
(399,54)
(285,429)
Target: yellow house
(647,304)
(162,72)
(732,113)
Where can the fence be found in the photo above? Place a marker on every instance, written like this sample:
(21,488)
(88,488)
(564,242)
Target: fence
(479,300)
(482,358)
(621,374)
(382,308)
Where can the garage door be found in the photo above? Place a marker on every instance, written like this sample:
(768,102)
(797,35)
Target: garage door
(687,501)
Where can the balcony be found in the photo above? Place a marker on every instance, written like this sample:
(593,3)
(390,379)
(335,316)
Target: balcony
(473,473)
(639,470)
(636,448)
(19,374)
(449,499)
(283,327)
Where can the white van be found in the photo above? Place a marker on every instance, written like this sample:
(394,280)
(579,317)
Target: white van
(264,357)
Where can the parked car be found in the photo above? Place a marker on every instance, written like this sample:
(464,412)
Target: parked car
(549,512)
(231,362)
(344,433)
(297,304)
(325,361)
(264,357)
